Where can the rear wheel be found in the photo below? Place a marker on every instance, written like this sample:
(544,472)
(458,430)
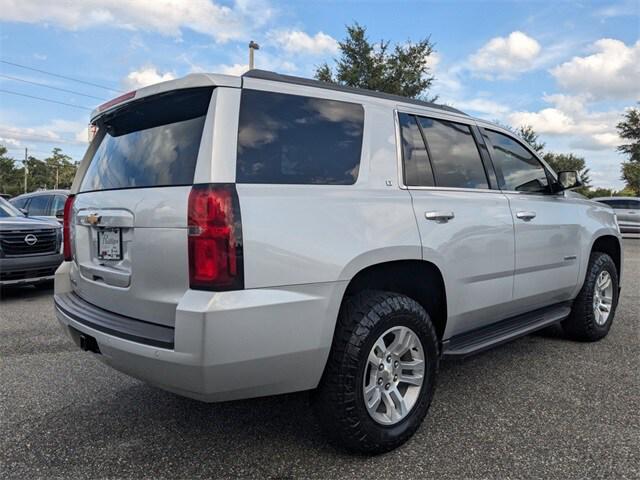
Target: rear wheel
(594,307)
(380,376)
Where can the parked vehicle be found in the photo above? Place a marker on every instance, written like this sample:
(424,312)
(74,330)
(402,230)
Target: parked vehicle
(6,196)
(236,237)
(30,249)
(43,203)
(627,211)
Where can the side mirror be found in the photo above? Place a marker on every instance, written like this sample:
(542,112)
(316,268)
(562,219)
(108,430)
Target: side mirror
(24,211)
(60,214)
(569,180)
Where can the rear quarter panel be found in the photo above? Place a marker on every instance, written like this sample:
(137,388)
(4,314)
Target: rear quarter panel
(295,234)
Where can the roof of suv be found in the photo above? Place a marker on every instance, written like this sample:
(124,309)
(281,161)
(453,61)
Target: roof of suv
(277,77)
(43,192)
(206,79)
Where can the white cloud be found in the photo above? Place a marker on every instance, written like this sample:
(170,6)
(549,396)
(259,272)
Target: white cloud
(167,17)
(57,131)
(146,76)
(484,106)
(630,7)
(569,117)
(263,60)
(548,120)
(506,56)
(613,71)
(296,41)
(235,69)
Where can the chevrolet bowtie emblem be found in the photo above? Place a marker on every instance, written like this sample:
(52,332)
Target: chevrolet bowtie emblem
(93,219)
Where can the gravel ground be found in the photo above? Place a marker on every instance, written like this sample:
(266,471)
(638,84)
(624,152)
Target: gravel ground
(540,407)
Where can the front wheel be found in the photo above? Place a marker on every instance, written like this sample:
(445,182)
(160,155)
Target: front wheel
(381,373)
(595,306)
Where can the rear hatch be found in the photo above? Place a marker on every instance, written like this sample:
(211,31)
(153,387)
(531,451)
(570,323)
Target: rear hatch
(129,223)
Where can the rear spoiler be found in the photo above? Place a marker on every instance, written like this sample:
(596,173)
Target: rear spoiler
(190,81)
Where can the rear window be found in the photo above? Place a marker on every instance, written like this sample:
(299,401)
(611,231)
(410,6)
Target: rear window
(152,142)
(293,139)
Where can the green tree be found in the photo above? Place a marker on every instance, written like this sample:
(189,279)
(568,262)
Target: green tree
(10,175)
(631,175)
(562,162)
(600,192)
(61,169)
(528,134)
(629,129)
(401,70)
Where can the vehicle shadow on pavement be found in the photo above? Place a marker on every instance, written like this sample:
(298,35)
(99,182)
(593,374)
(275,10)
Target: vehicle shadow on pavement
(25,292)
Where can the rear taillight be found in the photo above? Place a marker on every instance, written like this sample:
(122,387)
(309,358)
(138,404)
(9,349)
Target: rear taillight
(66,229)
(215,238)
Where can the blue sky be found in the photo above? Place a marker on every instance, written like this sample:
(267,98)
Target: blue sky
(569,69)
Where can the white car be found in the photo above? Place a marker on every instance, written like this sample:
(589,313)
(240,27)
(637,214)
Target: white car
(231,237)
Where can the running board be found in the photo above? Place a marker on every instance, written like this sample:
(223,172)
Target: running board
(504,331)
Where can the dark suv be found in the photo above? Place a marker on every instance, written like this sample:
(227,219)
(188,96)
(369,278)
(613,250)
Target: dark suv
(30,249)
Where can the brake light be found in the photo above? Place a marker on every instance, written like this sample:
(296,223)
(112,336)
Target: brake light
(117,100)
(215,238)
(66,228)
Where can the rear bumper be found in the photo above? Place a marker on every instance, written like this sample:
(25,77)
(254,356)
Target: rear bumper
(28,269)
(227,345)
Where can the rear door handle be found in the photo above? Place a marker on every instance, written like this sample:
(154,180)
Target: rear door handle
(526,216)
(438,216)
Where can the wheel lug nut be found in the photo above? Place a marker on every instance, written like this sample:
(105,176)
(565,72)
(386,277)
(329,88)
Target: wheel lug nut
(396,364)
(387,386)
(381,367)
(380,381)
(389,359)
(395,378)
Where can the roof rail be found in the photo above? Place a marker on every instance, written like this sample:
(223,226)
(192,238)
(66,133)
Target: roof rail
(308,82)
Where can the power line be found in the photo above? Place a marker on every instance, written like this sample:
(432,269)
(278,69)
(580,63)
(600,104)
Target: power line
(44,99)
(50,86)
(60,76)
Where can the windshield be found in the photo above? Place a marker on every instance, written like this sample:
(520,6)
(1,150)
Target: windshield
(8,210)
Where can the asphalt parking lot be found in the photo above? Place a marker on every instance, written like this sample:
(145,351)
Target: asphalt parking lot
(540,407)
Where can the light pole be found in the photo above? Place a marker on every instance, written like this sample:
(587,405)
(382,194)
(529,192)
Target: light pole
(26,156)
(252,46)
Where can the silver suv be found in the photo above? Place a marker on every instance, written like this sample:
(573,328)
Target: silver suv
(233,237)
(627,211)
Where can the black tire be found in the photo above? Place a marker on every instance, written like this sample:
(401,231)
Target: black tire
(339,400)
(581,324)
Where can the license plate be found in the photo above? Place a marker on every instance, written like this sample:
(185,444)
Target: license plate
(109,244)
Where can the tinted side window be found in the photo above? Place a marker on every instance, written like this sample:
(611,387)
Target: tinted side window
(20,202)
(57,204)
(38,205)
(295,139)
(517,168)
(417,169)
(623,204)
(454,154)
